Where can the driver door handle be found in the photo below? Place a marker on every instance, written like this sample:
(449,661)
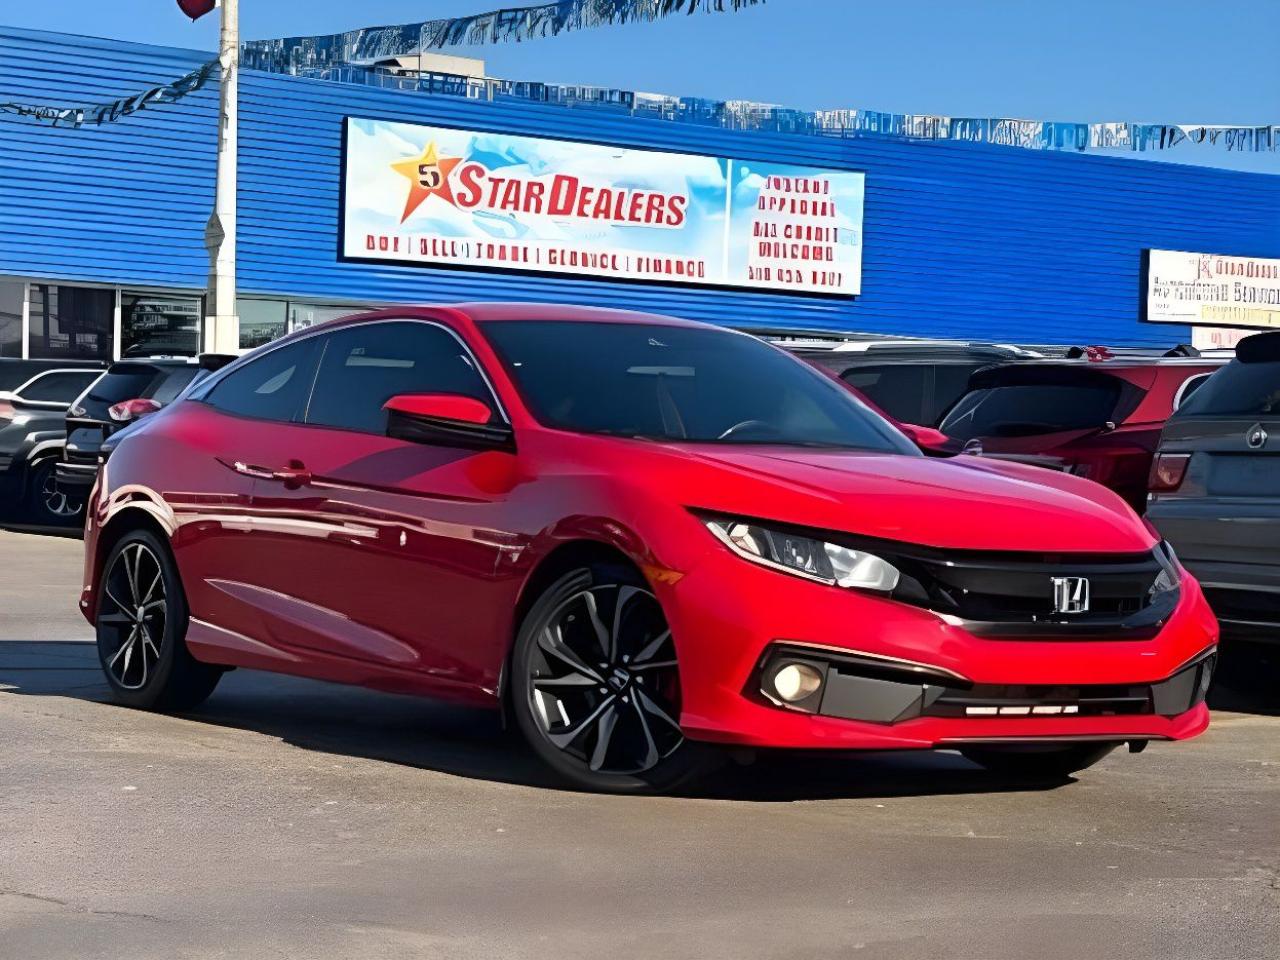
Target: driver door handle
(294,475)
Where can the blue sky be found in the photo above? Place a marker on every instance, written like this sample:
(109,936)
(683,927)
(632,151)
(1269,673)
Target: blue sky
(1175,61)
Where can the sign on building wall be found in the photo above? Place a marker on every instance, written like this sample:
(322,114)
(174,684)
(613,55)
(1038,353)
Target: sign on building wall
(447,197)
(1207,289)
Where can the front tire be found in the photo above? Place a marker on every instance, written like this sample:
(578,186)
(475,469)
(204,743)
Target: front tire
(141,628)
(1038,761)
(595,685)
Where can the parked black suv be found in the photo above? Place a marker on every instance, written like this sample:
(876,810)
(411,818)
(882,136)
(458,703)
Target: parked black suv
(32,433)
(1215,489)
(128,390)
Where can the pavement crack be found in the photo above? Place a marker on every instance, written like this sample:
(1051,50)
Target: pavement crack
(122,914)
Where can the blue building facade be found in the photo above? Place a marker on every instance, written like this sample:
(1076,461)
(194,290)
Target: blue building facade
(959,240)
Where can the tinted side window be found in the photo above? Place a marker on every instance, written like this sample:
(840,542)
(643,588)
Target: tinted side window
(1237,390)
(273,387)
(951,382)
(897,389)
(59,387)
(365,366)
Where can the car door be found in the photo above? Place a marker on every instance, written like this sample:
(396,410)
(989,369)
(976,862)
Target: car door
(209,445)
(371,549)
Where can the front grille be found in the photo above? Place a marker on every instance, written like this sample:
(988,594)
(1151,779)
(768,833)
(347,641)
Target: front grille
(1091,700)
(1001,593)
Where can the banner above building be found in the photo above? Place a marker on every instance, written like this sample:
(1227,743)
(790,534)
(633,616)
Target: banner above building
(1205,289)
(440,196)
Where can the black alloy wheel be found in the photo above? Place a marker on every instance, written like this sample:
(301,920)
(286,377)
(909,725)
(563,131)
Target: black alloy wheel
(596,685)
(141,625)
(47,501)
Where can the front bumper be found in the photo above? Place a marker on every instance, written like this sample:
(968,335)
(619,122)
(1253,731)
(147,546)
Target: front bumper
(732,621)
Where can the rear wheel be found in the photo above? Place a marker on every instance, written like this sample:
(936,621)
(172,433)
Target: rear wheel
(595,685)
(47,502)
(141,628)
(1038,761)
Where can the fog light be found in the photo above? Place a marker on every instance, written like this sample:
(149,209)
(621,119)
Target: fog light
(796,681)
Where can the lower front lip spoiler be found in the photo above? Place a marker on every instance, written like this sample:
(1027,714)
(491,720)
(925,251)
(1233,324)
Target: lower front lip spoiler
(852,687)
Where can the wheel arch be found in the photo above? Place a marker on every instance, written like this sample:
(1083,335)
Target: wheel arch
(132,516)
(564,557)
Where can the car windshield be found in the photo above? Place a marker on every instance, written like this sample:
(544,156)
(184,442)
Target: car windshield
(1025,410)
(665,382)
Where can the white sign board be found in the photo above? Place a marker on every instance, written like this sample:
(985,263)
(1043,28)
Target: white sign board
(1212,290)
(471,199)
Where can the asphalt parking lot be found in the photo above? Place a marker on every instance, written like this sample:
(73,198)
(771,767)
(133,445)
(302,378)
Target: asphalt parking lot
(295,819)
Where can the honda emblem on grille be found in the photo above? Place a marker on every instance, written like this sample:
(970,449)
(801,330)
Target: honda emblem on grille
(1256,437)
(1070,595)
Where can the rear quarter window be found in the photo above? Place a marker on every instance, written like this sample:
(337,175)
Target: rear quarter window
(62,387)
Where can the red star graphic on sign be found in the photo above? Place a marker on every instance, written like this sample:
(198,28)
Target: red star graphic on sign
(427,175)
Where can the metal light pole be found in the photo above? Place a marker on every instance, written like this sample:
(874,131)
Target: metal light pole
(222,325)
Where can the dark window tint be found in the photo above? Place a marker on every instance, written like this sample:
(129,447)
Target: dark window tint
(366,365)
(681,383)
(950,383)
(272,387)
(1237,390)
(897,389)
(174,382)
(1025,410)
(123,381)
(58,387)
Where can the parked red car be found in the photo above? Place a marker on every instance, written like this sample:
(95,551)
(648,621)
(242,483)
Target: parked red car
(640,537)
(1099,419)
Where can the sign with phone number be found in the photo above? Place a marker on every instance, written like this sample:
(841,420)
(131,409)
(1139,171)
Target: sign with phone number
(441,196)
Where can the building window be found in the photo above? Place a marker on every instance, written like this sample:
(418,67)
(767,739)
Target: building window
(303,315)
(261,321)
(158,324)
(71,323)
(12,295)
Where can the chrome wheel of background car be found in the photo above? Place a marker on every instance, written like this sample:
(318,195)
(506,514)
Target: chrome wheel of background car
(55,499)
(134,608)
(604,685)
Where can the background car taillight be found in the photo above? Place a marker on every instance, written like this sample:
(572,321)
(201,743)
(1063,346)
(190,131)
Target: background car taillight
(1167,471)
(128,410)
(6,410)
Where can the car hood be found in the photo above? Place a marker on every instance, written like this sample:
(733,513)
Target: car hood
(963,502)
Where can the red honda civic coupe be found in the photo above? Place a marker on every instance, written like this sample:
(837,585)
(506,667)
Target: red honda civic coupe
(639,537)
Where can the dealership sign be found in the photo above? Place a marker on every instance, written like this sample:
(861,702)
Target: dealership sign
(1205,289)
(442,196)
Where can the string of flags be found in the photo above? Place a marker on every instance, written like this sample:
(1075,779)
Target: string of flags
(508,25)
(101,113)
(353,56)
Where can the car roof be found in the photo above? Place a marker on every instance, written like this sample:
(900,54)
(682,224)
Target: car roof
(534,312)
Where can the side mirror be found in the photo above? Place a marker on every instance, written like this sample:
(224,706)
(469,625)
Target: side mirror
(928,439)
(446,420)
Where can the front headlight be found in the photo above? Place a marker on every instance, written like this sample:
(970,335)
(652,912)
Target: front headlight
(1170,577)
(829,563)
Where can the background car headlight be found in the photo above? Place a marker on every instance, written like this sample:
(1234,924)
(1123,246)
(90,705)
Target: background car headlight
(829,563)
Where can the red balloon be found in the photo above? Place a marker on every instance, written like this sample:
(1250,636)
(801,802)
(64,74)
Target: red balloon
(195,9)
